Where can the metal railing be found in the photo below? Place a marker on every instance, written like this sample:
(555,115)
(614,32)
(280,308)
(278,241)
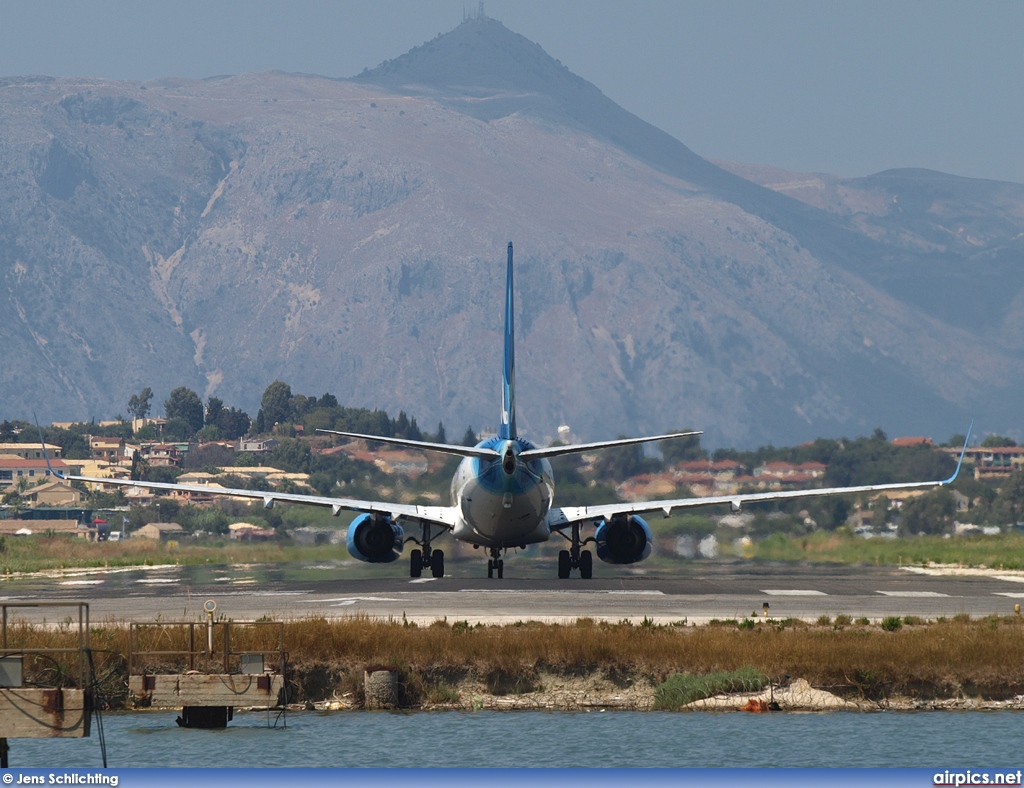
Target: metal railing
(198,644)
(82,649)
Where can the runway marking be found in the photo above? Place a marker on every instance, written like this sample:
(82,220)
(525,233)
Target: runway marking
(792,592)
(277,593)
(521,591)
(80,582)
(634,593)
(155,580)
(1011,594)
(920,594)
(423,580)
(351,600)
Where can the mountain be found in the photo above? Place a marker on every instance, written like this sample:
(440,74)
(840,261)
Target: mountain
(348,236)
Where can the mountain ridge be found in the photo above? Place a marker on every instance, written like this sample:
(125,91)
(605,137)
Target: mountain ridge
(348,236)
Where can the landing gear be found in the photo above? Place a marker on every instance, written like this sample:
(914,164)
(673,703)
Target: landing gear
(586,565)
(425,558)
(495,564)
(564,564)
(574,558)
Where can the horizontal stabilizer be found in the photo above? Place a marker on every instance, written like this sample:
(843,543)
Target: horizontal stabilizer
(444,448)
(557,451)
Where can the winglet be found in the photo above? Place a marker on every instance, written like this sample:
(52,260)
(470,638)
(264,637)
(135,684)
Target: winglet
(507,430)
(45,455)
(963,451)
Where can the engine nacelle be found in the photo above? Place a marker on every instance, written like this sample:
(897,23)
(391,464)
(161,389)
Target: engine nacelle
(625,539)
(375,539)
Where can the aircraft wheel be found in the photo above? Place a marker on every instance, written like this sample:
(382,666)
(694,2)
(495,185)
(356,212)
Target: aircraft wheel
(501,569)
(586,565)
(490,569)
(564,564)
(437,563)
(415,564)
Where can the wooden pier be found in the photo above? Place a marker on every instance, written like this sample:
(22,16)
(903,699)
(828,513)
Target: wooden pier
(206,669)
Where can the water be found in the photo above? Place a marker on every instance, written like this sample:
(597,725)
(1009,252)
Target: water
(549,739)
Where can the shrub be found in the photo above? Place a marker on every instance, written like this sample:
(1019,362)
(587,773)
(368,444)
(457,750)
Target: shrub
(680,689)
(892,623)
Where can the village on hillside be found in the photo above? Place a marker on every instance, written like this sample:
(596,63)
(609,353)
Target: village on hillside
(281,451)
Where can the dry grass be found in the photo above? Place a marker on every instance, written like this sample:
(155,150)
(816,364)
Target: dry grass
(938,658)
(944,654)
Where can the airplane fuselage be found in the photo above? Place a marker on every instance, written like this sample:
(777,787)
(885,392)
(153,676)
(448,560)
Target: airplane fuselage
(503,502)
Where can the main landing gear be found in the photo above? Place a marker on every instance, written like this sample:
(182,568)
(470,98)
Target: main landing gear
(575,558)
(425,558)
(495,564)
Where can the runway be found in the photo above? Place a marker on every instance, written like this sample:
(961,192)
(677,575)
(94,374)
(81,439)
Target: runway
(694,592)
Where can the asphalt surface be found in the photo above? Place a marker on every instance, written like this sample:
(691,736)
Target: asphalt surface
(694,592)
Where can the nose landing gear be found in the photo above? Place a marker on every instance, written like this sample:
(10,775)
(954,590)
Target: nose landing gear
(495,564)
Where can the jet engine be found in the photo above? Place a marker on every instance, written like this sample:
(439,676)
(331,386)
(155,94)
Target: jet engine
(375,539)
(624,539)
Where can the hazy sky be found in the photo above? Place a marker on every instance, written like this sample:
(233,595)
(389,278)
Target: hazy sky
(849,87)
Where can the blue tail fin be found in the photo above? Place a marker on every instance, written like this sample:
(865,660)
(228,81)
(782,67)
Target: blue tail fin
(507,430)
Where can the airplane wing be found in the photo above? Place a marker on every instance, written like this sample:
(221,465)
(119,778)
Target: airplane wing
(440,515)
(559,517)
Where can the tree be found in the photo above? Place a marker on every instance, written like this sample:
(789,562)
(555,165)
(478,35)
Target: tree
(931,513)
(997,442)
(619,462)
(678,450)
(214,408)
(178,430)
(440,437)
(183,403)
(276,404)
(1010,502)
(213,455)
(233,423)
(291,455)
(469,439)
(139,404)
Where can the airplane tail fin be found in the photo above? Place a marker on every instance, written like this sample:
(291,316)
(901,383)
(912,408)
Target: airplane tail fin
(507,429)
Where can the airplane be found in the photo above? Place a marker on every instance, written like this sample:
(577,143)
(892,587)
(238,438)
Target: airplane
(502,497)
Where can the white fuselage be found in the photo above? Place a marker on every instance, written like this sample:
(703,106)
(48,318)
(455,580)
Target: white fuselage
(498,508)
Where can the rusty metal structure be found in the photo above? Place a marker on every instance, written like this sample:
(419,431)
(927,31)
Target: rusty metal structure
(45,701)
(207,668)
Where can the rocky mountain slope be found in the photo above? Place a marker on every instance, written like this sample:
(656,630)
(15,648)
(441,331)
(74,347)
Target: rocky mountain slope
(348,236)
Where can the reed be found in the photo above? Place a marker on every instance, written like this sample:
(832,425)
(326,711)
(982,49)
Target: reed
(944,657)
